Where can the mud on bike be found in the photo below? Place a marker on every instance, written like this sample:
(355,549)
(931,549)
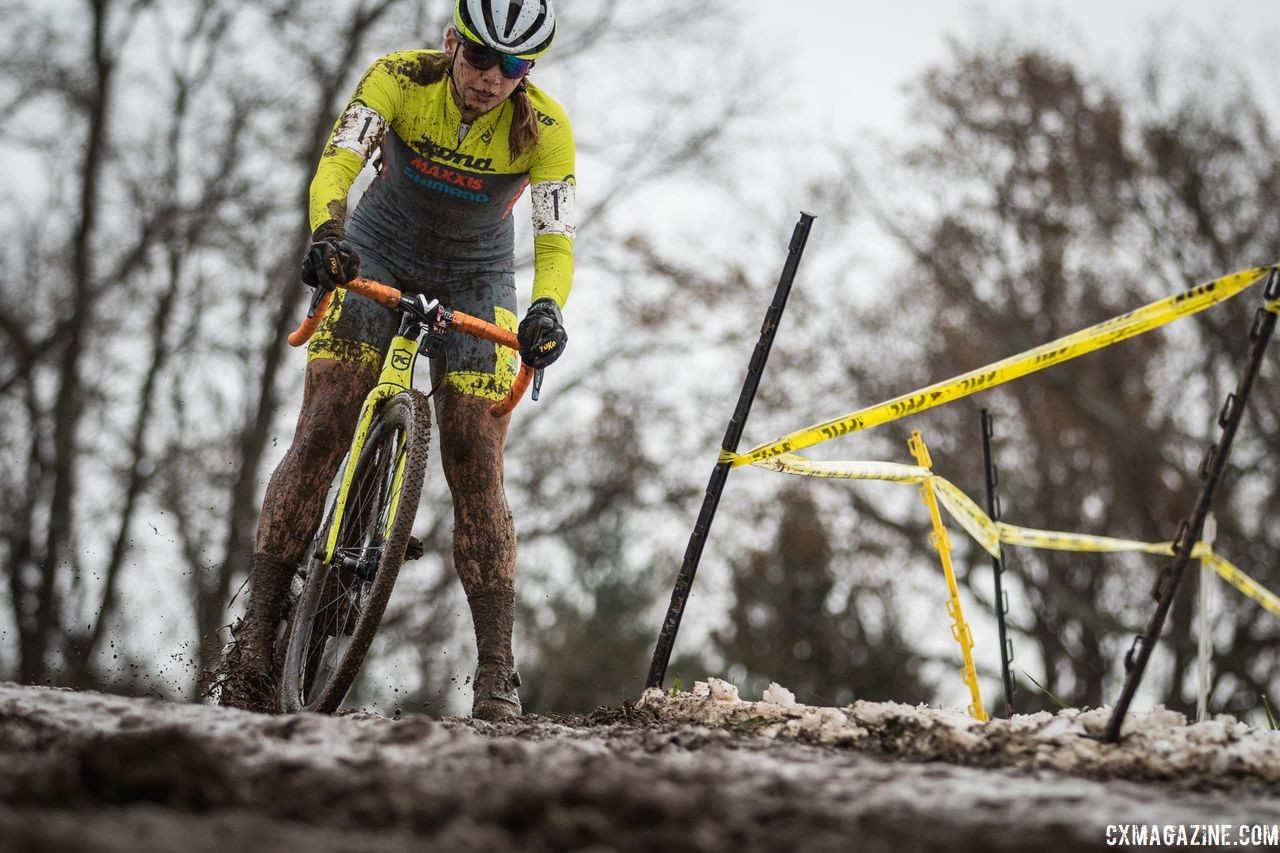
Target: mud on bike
(357,553)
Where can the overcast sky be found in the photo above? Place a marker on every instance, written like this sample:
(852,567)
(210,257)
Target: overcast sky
(861,53)
(836,72)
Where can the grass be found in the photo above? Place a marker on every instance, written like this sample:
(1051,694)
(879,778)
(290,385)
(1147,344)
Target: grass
(1045,690)
(1271,717)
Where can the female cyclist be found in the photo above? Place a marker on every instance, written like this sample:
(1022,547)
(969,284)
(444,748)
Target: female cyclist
(461,133)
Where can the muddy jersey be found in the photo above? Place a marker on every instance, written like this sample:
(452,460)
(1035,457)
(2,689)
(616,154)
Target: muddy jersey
(445,192)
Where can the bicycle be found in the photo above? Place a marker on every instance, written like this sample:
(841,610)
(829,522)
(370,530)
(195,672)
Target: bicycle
(359,549)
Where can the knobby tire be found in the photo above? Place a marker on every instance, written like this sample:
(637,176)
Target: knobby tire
(329,596)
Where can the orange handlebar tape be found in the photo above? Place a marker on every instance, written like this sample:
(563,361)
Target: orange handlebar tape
(389,297)
(485,330)
(383,294)
(303,333)
(523,378)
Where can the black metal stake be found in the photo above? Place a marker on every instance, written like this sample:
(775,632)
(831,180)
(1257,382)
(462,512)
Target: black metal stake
(1211,468)
(997,564)
(698,539)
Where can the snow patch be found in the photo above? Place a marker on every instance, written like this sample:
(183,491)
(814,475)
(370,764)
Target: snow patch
(776,694)
(723,691)
(1155,745)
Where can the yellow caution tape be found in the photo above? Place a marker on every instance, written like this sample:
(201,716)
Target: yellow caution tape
(969,515)
(1079,343)
(791,463)
(1269,600)
(1053,540)
(990,534)
(959,505)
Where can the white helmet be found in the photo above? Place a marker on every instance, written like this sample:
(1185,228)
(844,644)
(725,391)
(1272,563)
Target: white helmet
(522,28)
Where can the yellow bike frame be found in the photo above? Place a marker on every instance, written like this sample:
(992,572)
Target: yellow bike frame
(396,377)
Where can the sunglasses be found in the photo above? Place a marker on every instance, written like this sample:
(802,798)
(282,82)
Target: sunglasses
(482,58)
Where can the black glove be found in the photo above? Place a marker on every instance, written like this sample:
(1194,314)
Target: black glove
(331,260)
(541,334)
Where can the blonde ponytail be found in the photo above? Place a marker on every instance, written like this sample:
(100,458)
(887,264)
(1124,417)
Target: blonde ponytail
(524,125)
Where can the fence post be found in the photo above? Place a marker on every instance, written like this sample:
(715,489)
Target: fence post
(698,539)
(1211,469)
(942,542)
(997,563)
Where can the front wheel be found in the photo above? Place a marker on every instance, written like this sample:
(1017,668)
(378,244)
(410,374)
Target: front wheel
(342,601)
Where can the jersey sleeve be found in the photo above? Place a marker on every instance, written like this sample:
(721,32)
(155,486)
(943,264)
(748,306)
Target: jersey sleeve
(357,133)
(552,189)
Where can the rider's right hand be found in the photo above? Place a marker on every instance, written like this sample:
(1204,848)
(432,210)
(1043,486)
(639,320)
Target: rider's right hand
(331,260)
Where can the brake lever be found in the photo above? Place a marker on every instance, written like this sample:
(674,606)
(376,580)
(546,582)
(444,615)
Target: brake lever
(537,384)
(317,296)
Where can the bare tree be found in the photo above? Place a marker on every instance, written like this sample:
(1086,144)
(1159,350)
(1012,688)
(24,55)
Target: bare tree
(67,363)
(172,254)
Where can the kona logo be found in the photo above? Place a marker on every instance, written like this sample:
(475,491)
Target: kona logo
(401,359)
(439,152)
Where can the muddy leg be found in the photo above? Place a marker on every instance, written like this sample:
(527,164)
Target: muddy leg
(291,513)
(295,495)
(484,544)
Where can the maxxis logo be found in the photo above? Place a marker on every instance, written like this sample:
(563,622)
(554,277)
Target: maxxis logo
(435,170)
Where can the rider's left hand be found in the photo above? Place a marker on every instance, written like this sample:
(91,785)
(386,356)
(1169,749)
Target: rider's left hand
(541,333)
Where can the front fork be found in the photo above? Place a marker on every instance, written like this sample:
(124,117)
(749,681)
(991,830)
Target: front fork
(396,377)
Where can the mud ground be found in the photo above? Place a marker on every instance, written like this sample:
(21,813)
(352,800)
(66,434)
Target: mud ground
(703,771)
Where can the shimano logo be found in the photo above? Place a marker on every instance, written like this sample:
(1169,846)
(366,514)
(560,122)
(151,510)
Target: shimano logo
(446,188)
